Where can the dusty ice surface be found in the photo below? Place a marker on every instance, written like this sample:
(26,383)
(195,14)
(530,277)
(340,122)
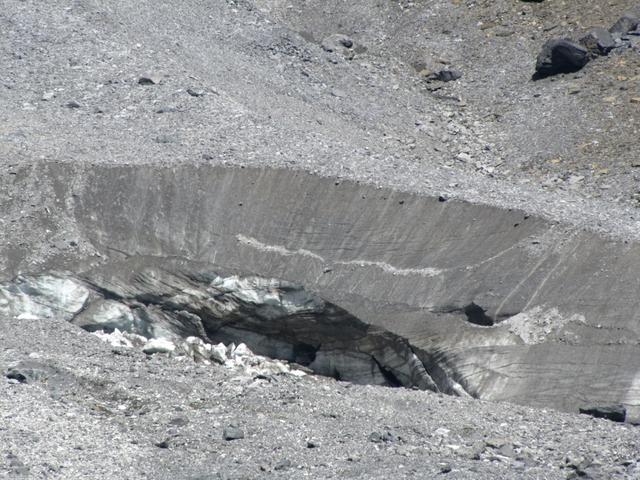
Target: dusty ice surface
(44,296)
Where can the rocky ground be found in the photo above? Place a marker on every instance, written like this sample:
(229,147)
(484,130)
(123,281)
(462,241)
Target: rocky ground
(89,410)
(351,90)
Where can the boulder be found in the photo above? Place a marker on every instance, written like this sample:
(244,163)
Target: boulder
(242,351)
(560,55)
(158,345)
(598,41)
(625,24)
(219,353)
(232,432)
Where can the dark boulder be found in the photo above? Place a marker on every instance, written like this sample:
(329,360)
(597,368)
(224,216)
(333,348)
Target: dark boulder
(625,24)
(598,41)
(560,55)
(615,413)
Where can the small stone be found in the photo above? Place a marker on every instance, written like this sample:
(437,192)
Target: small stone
(158,345)
(635,100)
(46,96)
(475,451)
(501,31)
(444,467)
(311,444)
(242,351)
(560,55)
(625,24)
(162,444)
(386,437)
(232,432)
(72,104)
(577,463)
(196,92)
(495,442)
(149,80)
(282,464)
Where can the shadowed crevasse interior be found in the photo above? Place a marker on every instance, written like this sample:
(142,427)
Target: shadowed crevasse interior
(274,318)
(494,303)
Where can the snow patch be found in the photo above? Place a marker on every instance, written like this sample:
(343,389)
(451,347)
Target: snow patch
(236,357)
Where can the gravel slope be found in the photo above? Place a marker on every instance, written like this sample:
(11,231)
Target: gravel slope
(100,412)
(267,96)
(248,83)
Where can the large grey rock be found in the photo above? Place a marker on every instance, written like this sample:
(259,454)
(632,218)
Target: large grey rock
(158,345)
(598,41)
(625,24)
(560,55)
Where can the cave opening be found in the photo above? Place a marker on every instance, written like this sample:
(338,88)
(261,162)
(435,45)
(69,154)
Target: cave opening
(210,316)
